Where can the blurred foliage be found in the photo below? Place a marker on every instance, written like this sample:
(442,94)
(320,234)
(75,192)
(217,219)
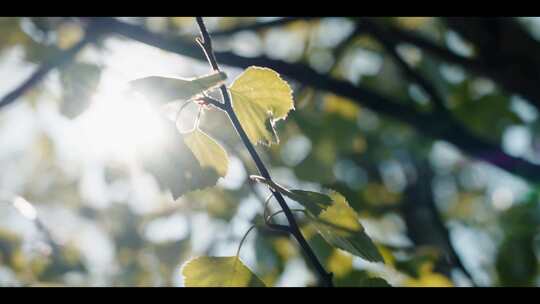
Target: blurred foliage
(110,223)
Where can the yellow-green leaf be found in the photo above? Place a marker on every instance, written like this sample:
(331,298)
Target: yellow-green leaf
(172,162)
(165,89)
(260,97)
(208,152)
(334,219)
(219,272)
(339,225)
(314,202)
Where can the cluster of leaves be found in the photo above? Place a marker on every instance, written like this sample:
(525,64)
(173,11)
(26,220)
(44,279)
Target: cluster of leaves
(260,97)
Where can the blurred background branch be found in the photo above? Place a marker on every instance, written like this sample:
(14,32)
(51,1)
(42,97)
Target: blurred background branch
(259,26)
(63,57)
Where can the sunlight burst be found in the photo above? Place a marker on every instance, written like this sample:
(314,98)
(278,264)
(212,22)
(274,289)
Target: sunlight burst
(122,125)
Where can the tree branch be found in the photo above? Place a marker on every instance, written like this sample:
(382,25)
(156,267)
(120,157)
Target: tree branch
(206,44)
(431,47)
(64,57)
(390,45)
(509,54)
(420,212)
(514,68)
(260,26)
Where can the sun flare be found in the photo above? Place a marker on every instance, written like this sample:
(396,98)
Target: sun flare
(121,125)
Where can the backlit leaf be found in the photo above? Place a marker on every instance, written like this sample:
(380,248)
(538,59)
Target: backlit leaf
(334,219)
(313,201)
(166,89)
(261,97)
(219,272)
(207,151)
(339,225)
(174,166)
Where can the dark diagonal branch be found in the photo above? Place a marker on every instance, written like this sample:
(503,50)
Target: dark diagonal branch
(293,228)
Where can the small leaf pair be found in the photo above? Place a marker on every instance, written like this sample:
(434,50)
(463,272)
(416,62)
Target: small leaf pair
(209,153)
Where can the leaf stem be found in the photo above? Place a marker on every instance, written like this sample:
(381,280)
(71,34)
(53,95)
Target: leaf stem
(243,239)
(205,42)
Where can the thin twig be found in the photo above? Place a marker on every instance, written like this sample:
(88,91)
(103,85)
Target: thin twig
(213,102)
(243,239)
(281,211)
(205,42)
(36,220)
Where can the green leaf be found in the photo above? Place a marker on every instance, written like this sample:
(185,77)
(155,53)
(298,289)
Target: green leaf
(359,278)
(219,272)
(173,164)
(208,152)
(339,225)
(166,89)
(260,97)
(314,202)
(334,219)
